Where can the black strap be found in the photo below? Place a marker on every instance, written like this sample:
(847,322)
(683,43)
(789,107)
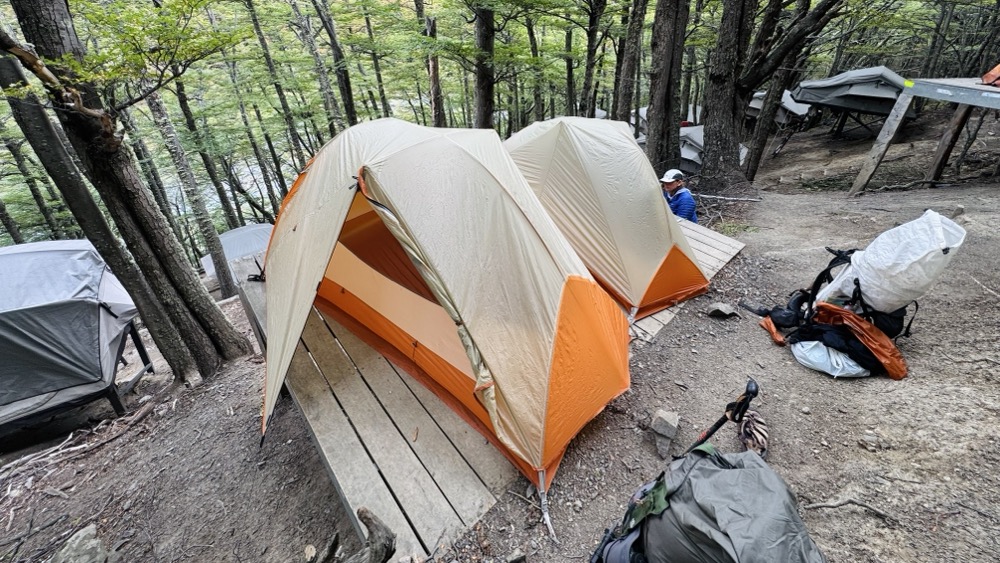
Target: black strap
(906,331)
(840,257)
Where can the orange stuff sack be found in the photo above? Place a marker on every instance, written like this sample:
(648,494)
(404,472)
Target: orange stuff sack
(876,340)
(767,324)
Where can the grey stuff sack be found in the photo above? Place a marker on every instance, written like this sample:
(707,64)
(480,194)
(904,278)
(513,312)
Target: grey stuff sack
(726,508)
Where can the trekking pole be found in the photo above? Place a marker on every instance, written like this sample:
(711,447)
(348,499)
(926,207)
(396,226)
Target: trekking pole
(734,412)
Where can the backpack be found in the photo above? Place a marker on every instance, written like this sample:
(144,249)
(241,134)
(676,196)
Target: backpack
(710,507)
(865,337)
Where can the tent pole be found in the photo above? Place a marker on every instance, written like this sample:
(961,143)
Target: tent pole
(544,500)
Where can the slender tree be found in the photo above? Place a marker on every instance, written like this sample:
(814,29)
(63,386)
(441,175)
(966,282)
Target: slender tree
(10,224)
(193,193)
(664,112)
(20,160)
(485,26)
(339,62)
(286,110)
(630,54)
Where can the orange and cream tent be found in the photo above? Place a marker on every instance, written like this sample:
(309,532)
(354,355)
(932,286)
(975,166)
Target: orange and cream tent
(429,245)
(599,188)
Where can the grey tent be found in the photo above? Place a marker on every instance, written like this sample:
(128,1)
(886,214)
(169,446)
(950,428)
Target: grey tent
(866,90)
(63,322)
(789,111)
(237,243)
(692,145)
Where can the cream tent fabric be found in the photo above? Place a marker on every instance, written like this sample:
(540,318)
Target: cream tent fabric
(600,189)
(428,244)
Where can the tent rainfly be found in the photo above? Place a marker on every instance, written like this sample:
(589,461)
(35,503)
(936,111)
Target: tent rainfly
(693,145)
(789,111)
(866,90)
(429,245)
(240,242)
(63,320)
(599,188)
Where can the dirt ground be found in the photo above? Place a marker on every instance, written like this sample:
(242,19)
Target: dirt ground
(192,482)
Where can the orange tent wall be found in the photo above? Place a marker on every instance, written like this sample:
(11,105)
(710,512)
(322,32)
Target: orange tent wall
(589,363)
(678,278)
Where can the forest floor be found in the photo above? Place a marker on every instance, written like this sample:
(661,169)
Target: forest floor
(192,481)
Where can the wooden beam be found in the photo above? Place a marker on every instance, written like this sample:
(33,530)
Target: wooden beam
(947,143)
(881,145)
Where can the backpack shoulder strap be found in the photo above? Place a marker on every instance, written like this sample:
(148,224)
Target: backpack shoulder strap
(840,257)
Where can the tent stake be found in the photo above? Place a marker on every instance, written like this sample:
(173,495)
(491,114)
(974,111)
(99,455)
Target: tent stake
(544,500)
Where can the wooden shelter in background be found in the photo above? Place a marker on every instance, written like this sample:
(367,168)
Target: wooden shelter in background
(966,92)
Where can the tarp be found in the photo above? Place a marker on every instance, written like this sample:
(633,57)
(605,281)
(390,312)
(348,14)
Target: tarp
(788,112)
(240,242)
(693,145)
(600,189)
(63,316)
(429,245)
(866,90)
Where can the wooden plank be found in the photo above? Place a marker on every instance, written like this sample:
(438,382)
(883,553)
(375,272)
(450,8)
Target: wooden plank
(429,512)
(252,295)
(881,145)
(706,247)
(354,474)
(947,142)
(711,238)
(667,315)
(461,486)
(495,471)
(709,262)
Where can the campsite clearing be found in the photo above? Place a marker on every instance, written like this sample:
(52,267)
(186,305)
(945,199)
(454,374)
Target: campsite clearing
(192,482)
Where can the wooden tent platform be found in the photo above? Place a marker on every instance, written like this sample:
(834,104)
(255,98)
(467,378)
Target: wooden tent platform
(389,443)
(712,250)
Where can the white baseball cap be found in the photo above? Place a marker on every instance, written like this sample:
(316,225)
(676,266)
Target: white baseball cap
(672,175)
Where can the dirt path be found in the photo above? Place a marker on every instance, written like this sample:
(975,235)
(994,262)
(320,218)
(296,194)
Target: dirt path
(192,481)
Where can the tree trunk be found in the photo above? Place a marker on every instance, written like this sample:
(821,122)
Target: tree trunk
(54,156)
(537,77)
(485,83)
(721,157)
(282,184)
(206,159)
(286,110)
(10,224)
(36,194)
(690,60)
(237,185)
(339,62)
(631,51)
(93,134)
(570,65)
(258,154)
(386,110)
(765,120)
(434,75)
(305,34)
(664,112)
(149,170)
(466,101)
(595,11)
(193,193)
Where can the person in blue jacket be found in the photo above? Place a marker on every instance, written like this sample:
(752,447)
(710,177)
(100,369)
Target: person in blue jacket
(678,197)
